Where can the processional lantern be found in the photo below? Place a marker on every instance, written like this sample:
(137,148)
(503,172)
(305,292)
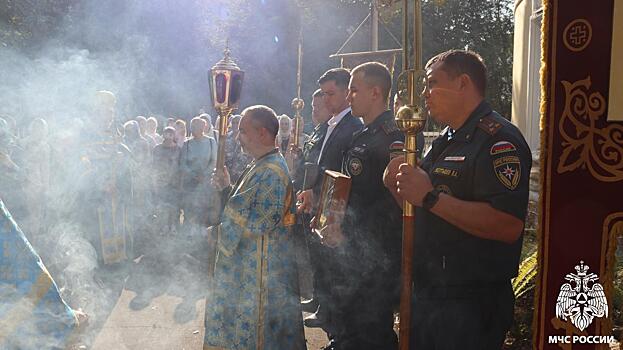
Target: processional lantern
(226,87)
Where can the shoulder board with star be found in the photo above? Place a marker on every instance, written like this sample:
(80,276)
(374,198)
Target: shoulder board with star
(390,126)
(489,125)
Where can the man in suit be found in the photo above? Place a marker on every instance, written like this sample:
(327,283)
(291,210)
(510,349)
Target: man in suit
(338,135)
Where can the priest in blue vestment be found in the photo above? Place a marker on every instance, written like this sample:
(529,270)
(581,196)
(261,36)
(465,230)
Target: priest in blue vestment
(254,299)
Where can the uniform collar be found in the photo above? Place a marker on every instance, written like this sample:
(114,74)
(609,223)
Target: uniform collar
(466,132)
(379,121)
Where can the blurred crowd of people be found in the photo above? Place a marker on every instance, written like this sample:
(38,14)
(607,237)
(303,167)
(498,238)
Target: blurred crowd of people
(57,181)
(170,166)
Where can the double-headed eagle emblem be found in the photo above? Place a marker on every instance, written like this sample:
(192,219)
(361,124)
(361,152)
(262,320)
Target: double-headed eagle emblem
(581,304)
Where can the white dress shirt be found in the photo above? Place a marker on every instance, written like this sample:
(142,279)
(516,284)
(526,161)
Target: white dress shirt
(333,122)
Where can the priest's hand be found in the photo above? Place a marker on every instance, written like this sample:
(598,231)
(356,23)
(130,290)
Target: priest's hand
(82,317)
(304,202)
(331,235)
(81,326)
(220,178)
(296,152)
(412,184)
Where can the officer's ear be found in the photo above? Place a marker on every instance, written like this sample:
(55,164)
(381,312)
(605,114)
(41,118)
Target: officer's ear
(376,92)
(465,81)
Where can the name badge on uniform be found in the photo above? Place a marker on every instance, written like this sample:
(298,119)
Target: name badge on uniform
(454,158)
(446,172)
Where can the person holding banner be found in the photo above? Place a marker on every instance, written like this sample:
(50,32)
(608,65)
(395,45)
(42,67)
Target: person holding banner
(471,194)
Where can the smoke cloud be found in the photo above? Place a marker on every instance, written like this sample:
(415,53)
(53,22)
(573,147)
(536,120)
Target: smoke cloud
(155,56)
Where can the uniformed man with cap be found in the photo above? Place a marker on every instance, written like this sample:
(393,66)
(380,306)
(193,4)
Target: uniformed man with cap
(368,241)
(471,194)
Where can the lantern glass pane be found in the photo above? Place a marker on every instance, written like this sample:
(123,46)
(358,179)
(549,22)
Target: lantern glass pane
(220,87)
(236,88)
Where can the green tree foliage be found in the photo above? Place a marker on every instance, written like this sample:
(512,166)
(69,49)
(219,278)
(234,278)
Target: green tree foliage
(177,42)
(484,26)
(24,23)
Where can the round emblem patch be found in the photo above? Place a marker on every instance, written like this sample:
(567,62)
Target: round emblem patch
(355,166)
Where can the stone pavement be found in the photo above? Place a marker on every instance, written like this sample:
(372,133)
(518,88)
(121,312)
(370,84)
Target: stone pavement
(177,283)
(155,327)
(152,328)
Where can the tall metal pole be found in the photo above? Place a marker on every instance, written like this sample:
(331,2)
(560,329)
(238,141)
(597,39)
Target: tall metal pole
(299,64)
(405,35)
(297,103)
(411,119)
(374,27)
(224,114)
(417,38)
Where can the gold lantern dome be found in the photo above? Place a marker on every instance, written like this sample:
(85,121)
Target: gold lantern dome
(226,83)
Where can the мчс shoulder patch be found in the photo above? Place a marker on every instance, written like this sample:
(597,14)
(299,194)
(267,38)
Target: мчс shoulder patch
(508,171)
(502,147)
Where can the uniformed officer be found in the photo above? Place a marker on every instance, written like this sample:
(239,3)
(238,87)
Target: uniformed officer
(368,241)
(471,194)
(311,147)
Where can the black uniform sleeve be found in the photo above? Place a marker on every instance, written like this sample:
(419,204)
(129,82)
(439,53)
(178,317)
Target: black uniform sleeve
(502,174)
